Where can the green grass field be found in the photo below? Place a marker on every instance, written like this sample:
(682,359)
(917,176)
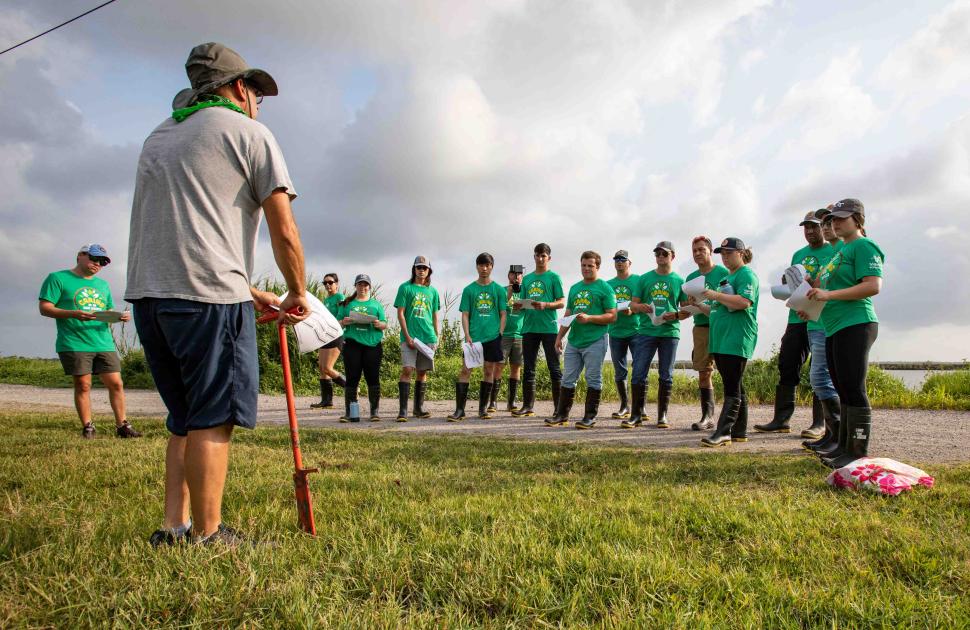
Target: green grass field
(470,532)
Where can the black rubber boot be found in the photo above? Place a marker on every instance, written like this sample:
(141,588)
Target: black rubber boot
(513,392)
(528,400)
(374,398)
(326,395)
(461,396)
(663,401)
(859,421)
(484,397)
(624,410)
(638,394)
(739,432)
(420,387)
(403,393)
(837,447)
(784,408)
(493,398)
(729,414)
(340,381)
(817,430)
(831,412)
(706,423)
(556,386)
(592,408)
(563,406)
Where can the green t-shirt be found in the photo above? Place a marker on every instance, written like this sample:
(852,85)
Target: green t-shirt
(594,298)
(484,305)
(332,302)
(813,260)
(513,319)
(855,261)
(736,332)
(69,291)
(541,287)
(665,293)
(364,334)
(627,322)
(420,303)
(711,279)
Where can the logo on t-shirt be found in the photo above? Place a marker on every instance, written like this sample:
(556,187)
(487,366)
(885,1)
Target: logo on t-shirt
(484,303)
(536,290)
(829,269)
(876,263)
(623,293)
(420,305)
(811,264)
(583,301)
(90,300)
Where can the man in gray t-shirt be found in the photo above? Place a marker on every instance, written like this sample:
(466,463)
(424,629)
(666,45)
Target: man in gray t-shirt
(205,177)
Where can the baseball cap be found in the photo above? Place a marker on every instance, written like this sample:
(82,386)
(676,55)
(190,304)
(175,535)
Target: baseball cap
(621,254)
(731,242)
(93,249)
(421,261)
(516,269)
(821,213)
(811,217)
(848,207)
(212,65)
(362,277)
(665,245)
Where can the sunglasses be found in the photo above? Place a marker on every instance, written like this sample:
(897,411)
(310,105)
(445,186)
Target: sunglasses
(661,253)
(421,267)
(98,260)
(329,282)
(257,92)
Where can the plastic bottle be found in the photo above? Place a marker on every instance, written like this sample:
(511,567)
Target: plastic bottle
(354,413)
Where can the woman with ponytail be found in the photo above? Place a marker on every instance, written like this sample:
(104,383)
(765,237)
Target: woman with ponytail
(328,354)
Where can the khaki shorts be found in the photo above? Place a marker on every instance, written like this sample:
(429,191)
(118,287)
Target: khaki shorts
(82,363)
(702,359)
(512,349)
(411,358)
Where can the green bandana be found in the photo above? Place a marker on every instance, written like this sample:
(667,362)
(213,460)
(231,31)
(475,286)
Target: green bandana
(207,100)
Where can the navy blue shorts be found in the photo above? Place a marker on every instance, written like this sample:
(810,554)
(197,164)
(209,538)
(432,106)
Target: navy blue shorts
(203,359)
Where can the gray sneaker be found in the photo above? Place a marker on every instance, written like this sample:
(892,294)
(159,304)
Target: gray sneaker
(126,431)
(222,536)
(88,431)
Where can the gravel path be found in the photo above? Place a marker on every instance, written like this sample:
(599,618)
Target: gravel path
(915,436)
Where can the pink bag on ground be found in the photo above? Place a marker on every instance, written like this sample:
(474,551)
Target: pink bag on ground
(879,474)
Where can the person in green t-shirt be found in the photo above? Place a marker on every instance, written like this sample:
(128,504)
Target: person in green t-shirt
(328,354)
(364,323)
(734,334)
(796,346)
(703,362)
(658,302)
(511,341)
(73,298)
(590,309)
(623,331)
(828,231)
(542,293)
(483,307)
(417,304)
(847,284)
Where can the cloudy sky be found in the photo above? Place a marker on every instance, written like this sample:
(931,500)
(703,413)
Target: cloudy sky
(449,128)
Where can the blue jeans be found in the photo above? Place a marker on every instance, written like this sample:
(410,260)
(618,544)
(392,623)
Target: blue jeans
(819,370)
(644,348)
(619,346)
(591,357)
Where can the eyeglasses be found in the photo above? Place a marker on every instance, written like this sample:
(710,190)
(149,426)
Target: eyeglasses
(257,92)
(329,282)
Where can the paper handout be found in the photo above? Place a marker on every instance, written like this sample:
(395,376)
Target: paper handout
(693,309)
(565,322)
(473,354)
(526,304)
(361,318)
(695,288)
(799,301)
(110,317)
(317,330)
(623,306)
(423,348)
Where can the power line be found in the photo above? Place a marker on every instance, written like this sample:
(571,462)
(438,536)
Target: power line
(57,27)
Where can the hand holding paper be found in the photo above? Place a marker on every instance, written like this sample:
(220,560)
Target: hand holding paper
(695,288)
(800,301)
(565,322)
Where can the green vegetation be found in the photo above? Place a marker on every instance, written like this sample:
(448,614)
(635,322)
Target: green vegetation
(472,532)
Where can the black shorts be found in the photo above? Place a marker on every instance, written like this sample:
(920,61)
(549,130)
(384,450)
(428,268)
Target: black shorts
(337,343)
(492,350)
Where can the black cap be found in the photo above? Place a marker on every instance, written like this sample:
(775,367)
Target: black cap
(621,254)
(731,242)
(812,218)
(665,245)
(362,277)
(821,213)
(516,269)
(848,207)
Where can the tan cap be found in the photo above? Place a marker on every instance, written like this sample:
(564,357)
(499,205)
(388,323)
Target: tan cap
(811,217)
(213,65)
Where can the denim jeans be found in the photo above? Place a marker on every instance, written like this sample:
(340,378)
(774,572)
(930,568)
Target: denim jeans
(819,372)
(591,357)
(644,348)
(619,346)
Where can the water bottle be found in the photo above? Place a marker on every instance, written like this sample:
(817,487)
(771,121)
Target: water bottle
(354,414)
(725,287)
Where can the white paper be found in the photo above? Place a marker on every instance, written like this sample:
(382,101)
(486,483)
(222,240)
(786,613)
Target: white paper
(623,306)
(657,318)
(110,317)
(695,288)
(799,301)
(473,353)
(361,318)
(780,291)
(317,330)
(566,321)
(693,309)
(526,304)
(423,348)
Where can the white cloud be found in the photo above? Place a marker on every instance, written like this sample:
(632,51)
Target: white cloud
(751,58)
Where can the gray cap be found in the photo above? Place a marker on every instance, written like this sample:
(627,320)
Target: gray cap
(421,261)
(362,277)
(621,254)
(811,217)
(848,207)
(665,245)
(213,65)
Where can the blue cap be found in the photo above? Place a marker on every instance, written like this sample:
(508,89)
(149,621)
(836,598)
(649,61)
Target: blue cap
(94,249)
